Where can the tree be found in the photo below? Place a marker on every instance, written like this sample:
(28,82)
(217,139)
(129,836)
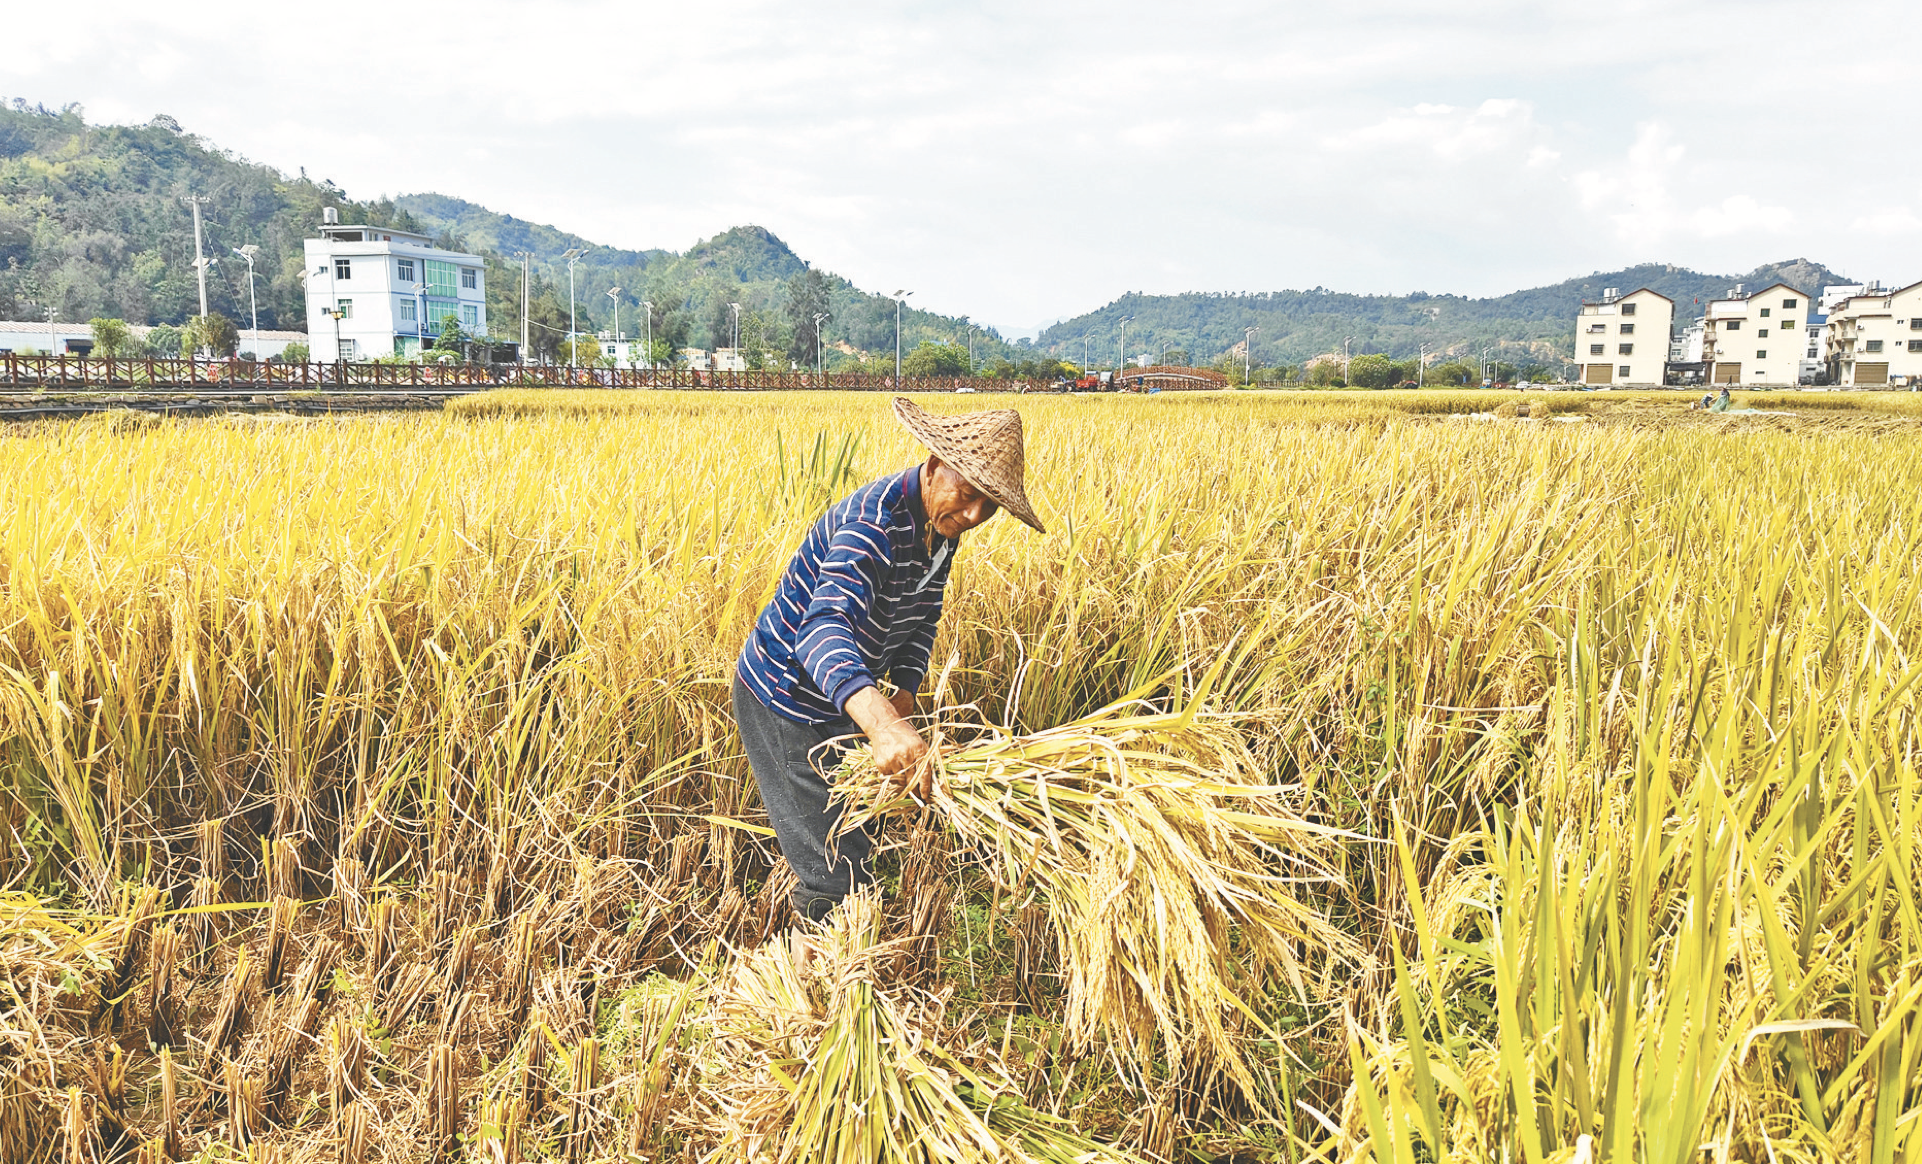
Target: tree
(165,341)
(294,353)
(1454,372)
(582,351)
(933,359)
(111,338)
(807,297)
(1371,371)
(451,336)
(214,333)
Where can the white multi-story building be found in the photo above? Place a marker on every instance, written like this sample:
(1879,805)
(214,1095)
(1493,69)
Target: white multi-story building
(1756,339)
(1624,339)
(392,291)
(1874,339)
(1687,346)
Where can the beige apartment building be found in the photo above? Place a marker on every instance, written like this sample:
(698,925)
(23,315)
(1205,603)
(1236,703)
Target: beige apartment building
(1624,338)
(1874,339)
(1757,339)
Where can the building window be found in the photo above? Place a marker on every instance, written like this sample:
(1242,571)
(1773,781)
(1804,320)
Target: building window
(1624,349)
(1765,313)
(1628,309)
(470,315)
(1813,354)
(1915,325)
(405,269)
(345,307)
(1915,345)
(1595,349)
(409,313)
(1761,355)
(469,279)
(1733,325)
(1872,346)
(1597,328)
(343,268)
(1624,370)
(440,279)
(1788,305)
(1628,329)
(349,349)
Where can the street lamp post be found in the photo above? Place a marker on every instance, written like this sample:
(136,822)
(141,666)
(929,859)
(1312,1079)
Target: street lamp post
(1247,354)
(1084,354)
(573,256)
(736,308)
(526,258)
(1121,362)
(971,330)
(248,252)
(1346,340)
(900,298)
(1163,357)
(614,293)
(648,309)
(200,264)
(420,321)
(1421,367)
(817,345)
(340,370)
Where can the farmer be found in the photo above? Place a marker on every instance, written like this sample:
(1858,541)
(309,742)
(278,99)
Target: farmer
(860,602)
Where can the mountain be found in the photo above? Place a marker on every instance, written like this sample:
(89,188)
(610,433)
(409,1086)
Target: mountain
(1535,324)
(93,222)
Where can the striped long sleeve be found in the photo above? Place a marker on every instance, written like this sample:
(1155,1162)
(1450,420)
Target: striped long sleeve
(843,598)
(861,598)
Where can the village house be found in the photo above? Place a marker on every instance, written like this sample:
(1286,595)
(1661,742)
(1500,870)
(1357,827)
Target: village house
(1874,339)
(1756,339)
(1624,339)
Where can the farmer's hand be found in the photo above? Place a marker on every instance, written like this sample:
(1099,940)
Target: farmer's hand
(899,750)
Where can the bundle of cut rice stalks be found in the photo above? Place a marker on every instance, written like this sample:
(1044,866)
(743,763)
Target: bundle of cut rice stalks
(851,1071)
(1168,864)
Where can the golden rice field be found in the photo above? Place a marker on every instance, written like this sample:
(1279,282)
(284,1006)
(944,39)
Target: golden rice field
(1335,781)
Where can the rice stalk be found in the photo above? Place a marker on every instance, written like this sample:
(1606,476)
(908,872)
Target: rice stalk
(1168,864)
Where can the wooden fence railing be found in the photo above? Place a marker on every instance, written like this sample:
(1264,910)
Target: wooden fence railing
(80,373)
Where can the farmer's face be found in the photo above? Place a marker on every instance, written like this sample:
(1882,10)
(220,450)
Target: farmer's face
(952,505)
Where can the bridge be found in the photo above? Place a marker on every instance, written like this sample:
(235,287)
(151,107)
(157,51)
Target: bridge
(1172,378)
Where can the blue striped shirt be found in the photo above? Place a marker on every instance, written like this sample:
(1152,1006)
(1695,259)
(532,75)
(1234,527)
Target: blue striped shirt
(861,598)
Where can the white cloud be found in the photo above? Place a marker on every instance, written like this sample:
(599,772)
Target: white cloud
(1026,161)
(1890,220)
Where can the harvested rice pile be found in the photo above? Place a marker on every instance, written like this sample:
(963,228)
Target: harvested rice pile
(1168,866)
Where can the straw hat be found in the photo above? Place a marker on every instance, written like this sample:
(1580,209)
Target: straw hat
(984,447)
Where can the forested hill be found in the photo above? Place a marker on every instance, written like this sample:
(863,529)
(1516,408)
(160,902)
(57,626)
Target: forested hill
(1299,325)
(92,223)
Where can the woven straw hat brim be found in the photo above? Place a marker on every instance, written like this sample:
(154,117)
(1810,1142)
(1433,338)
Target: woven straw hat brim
(986,448)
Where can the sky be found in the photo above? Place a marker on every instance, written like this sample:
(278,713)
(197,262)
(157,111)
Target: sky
(1024,162)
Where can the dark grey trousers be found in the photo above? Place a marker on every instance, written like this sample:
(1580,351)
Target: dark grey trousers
(789,760)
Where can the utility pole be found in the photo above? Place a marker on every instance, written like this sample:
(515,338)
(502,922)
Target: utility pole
(971,330)
(1421,367)
(736,309)
(1248,355)
(1121,363)
(525,257)
(200,262)
(817,345)
(573,256)
(1084,354)
(900,297)
(648,309)
(614,293)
